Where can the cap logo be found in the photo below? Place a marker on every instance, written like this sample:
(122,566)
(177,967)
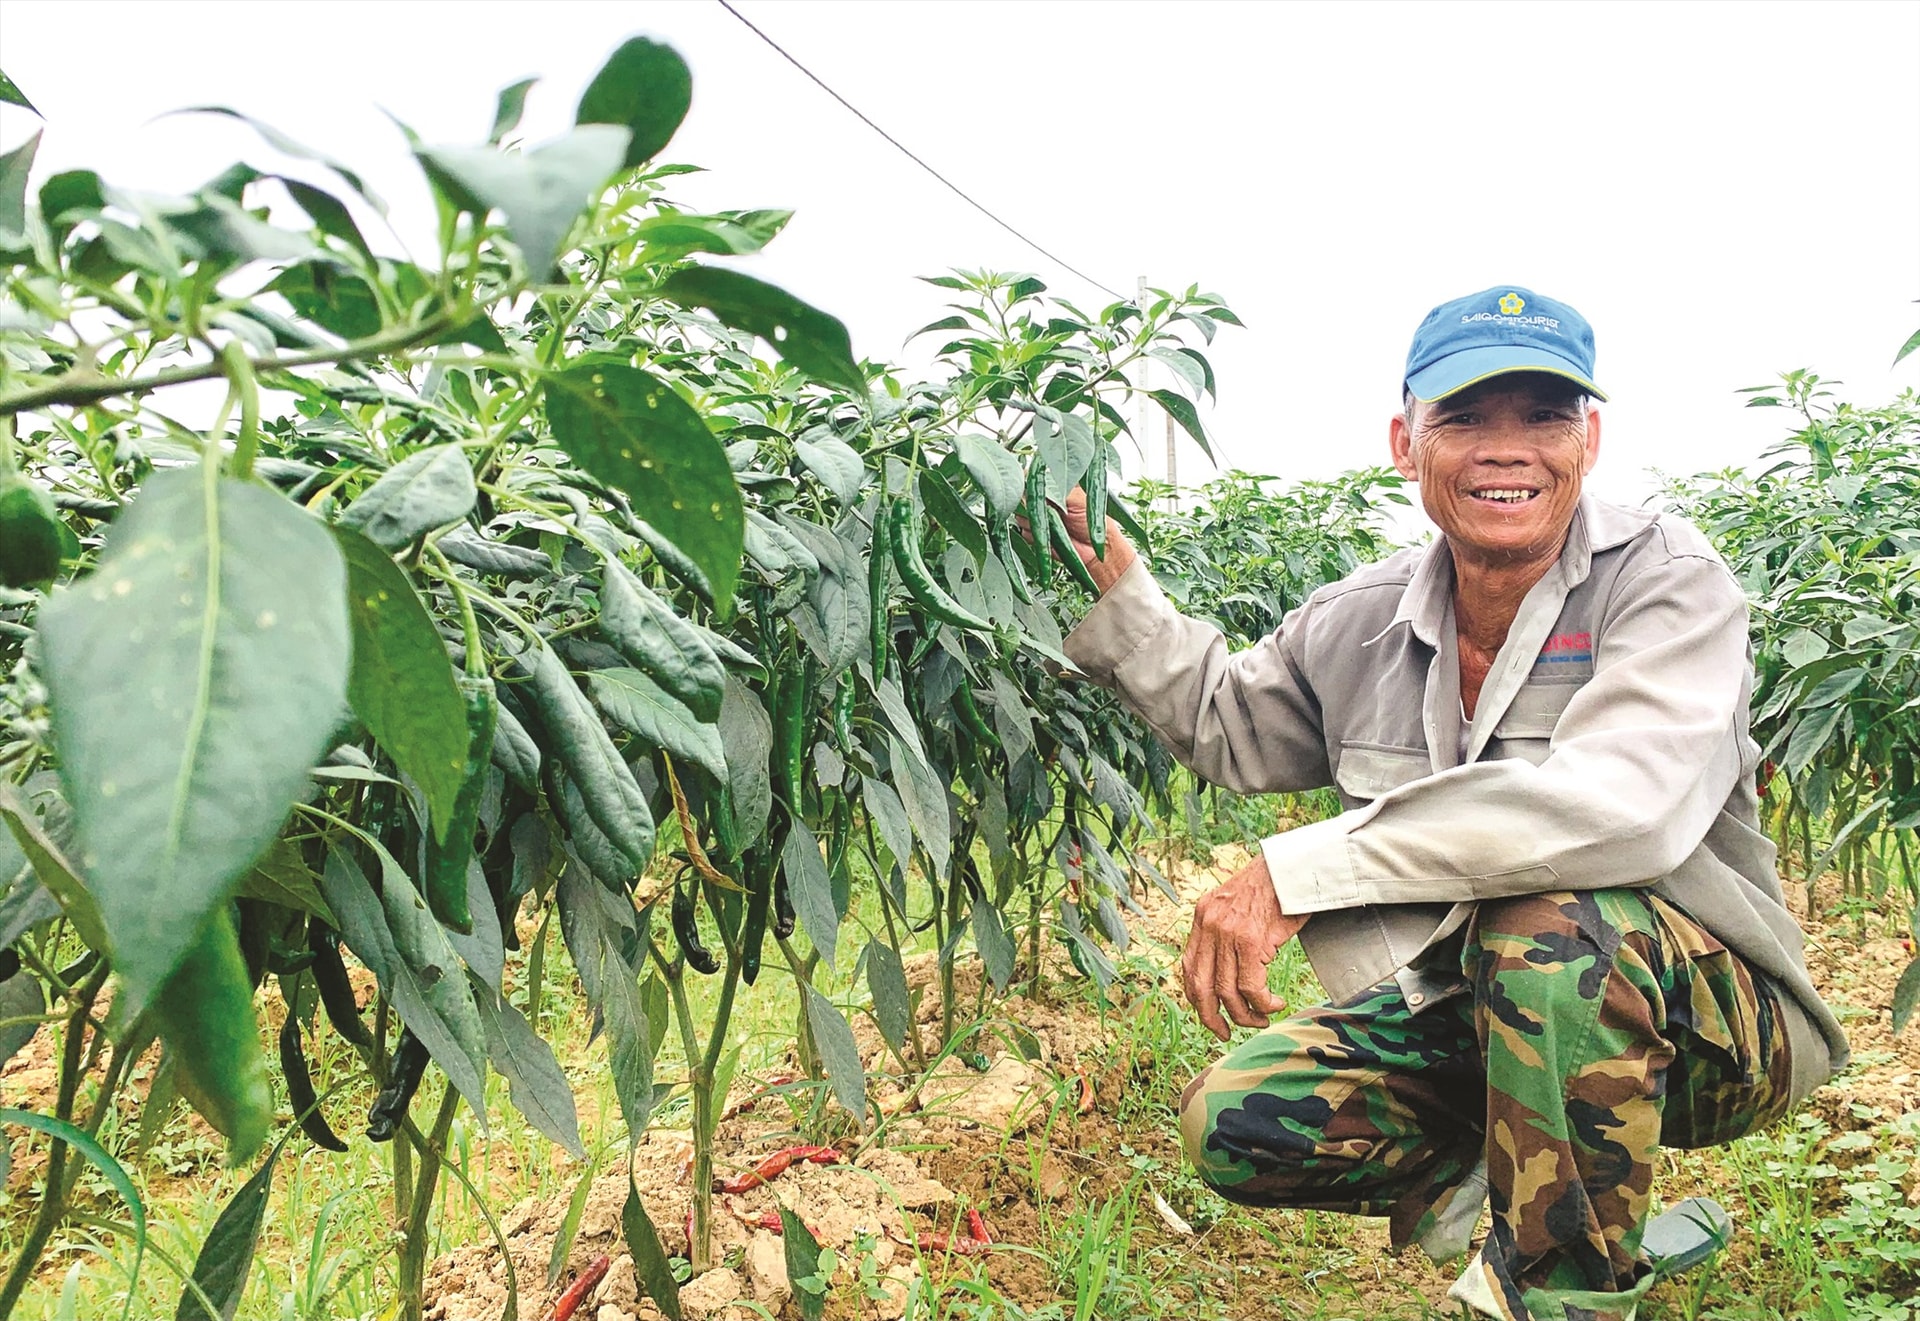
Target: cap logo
(1513,305)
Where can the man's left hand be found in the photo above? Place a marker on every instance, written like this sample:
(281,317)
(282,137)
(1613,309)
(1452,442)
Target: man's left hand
(1238,928)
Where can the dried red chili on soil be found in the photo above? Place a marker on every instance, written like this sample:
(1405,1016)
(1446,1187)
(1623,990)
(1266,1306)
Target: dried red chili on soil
(977,1226)
(774,1166)
(569,1302)
(959,1244)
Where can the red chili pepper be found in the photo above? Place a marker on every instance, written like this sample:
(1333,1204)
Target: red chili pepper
(977,1226)
(774,1166)
(569,1302)
(1086,1096)
(959,1244)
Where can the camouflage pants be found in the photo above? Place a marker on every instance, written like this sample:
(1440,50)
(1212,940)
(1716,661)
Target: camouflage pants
(1589,1030)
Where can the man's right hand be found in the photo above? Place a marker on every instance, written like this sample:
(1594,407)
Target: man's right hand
(1120,553)
(1238,928)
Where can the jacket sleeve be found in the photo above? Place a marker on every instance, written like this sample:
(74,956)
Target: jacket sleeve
(1246,720)
(1641,763)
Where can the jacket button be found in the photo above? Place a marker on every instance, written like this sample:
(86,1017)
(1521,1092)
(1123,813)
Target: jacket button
(1417,999)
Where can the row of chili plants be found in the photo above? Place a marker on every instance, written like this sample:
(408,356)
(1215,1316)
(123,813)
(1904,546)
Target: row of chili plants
(1825,536)
(519,593)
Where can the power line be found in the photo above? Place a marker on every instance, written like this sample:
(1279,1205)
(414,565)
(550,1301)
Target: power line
(958,191)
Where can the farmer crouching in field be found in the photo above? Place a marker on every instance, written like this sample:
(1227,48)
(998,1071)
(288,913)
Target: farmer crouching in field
(1548,919)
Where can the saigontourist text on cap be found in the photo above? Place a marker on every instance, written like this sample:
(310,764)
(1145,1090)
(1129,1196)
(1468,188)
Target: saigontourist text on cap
(1499,330)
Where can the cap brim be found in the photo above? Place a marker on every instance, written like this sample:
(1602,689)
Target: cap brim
(1457,371)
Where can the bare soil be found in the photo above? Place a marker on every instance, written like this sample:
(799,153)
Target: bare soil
(1011,1143)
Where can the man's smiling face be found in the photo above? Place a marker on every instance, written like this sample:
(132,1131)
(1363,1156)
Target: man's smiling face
(1500,465)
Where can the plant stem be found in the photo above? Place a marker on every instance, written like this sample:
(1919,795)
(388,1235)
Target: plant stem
(53,1202)
(413,1254)
(86,388)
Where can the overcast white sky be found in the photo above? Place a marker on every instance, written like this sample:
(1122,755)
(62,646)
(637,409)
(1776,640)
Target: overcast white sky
(1725,190)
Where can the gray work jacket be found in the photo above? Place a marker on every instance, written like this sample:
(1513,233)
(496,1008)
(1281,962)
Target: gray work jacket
(1609,747)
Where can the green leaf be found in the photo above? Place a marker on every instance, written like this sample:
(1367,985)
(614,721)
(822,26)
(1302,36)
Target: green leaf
(629,1041)
(401,683)
(570,1225)
(507,109)
(944,507)
(426,490)
(539,193)
(1832,688)
(803,1261)
(331,297)
(887,983)
(53,869)
(834,462)
(990,938)
(648,632)
(1186,369)
(746,733)
(1810,737)
(674,234)
(22,999)
(812,889)
(800,333)
(204,1013)
(1066,445)
(287,146)
(226,1257)
(646,89)
(11,94)
(1803,647)
(329,215)
(1182,411)
(96,1155)
(196,676)
(1905,349)
(996,472)
(281,876)
(629,429)
(396,937)
(650,1265)
(925,798)
(838,1054)
(644,709)
(14,167)
(1906,994)
(535,1083)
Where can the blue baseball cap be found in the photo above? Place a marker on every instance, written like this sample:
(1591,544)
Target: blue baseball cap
(1499,330)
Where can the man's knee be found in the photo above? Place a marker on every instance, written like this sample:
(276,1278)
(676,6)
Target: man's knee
(1257,1146)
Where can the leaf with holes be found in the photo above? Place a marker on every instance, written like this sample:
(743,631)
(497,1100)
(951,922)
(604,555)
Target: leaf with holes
(629,429)
(800,333)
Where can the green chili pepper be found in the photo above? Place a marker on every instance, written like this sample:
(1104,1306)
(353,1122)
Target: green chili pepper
(789,694)
(783,913)
(878,583)
(1064,551)
(918,578)
(1034,545)
(843,699)
(336,992)
(403,1080)
(300,1093)
(1000,536)
(753,931)
(971,717)
(445,879)
(686,930)
(1095,486)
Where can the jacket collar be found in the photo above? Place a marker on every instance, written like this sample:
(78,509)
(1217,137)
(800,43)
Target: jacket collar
(1597,526)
